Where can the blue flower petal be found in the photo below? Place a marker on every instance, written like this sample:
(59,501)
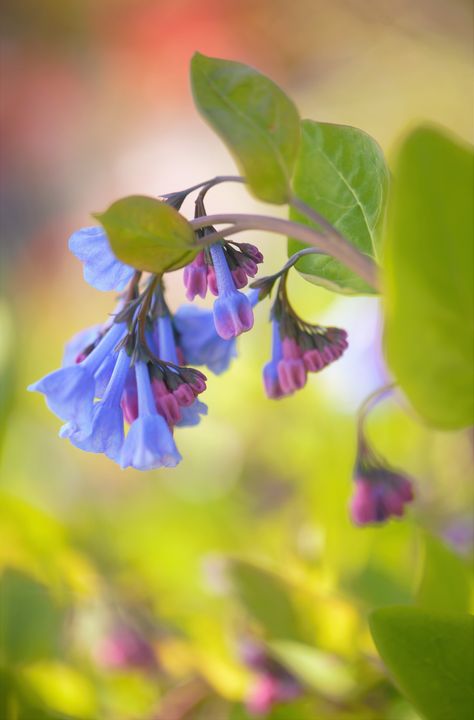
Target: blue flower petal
(149,445)
(69,393)
(191,415)
(79,342)
(102,270)
(199,340)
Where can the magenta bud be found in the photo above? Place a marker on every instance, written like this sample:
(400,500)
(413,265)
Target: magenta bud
(252,251)
(271,382)
(184,395)
(292,375)
(313,361)
(240,277)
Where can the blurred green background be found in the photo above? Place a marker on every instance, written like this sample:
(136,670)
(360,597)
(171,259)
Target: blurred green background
(250,535)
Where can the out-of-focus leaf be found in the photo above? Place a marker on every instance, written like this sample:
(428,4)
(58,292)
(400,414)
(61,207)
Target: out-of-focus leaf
(256,120)
(376,586)
(341,173)
(266,598)
(431,657)
(318,670)
(7,365)
(30,620)
(129,694)
(444,583)
(428,277)
(61,689)
(148,234)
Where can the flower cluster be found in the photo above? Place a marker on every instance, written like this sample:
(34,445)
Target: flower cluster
(380,492)
(138,368)
(224,269)
(273,683)
(297,347)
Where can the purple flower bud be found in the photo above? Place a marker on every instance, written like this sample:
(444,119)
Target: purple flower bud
(291,368)
(380,493)
(195,277)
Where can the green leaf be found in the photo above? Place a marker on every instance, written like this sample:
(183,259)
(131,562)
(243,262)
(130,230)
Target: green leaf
(61,689)
(431,657)
(444,583)
(341,173)
(30,622)
(256,120)
(428,277)
(318,670)
(148,234)
(266,598)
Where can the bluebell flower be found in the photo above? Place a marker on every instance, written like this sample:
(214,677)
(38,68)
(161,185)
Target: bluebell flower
(70,391)
(149,444)
(106,433)
(271,380)
(75,348)
(298,347)
(199,341)
(102,269)
(190,409)
(232,310)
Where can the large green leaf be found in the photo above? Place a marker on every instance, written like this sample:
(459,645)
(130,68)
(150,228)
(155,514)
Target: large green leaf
(445,582)
(431,657)
(256,120)
(428,277)
(341,173)
(267,599)
(148,234)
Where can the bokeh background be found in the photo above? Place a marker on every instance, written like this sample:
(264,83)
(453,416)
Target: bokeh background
(184,565)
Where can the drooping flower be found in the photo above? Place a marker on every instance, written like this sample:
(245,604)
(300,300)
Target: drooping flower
(242,260)
(199,341)
(101,268)
(379,491)
(106,433)
(70,391)
(232,309)
(297,348)
(149,443)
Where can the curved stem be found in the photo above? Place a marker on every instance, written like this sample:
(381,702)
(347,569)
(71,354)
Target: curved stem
(369,403)
(208,184)
(330,243)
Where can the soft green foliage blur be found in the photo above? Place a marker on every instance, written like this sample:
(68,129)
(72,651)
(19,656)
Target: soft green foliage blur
(428,270)
(249,536)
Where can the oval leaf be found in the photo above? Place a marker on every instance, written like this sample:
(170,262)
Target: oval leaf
(318,670)
(430,656)
(341,173)
(256,120)
(428,273)
(266,598)
(148,234)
